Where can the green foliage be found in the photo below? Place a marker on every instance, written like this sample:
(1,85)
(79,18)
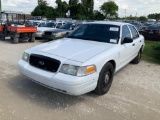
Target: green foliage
(42,9)
(83,10)
(73,2)
(51,12)
(62,8)
(154,16)
(110,9)
(98,15)
(42,2)
(131,18)
(151,52)
(37,11)
(142,18)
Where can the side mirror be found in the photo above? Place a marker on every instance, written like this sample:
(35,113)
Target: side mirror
(127,40)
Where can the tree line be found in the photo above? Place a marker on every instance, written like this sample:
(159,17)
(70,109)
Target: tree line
(83,10)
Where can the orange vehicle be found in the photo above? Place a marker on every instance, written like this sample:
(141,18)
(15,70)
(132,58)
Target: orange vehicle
(16,27)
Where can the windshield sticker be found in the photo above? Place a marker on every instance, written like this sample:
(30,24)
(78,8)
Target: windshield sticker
(114,29)
(113,41)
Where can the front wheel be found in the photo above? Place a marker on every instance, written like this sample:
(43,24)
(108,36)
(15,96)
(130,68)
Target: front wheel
(105,79)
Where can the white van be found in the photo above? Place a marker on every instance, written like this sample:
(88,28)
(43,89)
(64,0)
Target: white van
(151,21)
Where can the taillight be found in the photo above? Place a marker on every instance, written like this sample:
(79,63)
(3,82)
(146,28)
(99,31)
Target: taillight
(157,31)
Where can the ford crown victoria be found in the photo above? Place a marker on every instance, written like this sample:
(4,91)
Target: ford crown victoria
(86,59)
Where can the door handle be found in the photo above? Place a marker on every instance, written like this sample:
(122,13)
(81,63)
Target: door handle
(140,41)
(133,44)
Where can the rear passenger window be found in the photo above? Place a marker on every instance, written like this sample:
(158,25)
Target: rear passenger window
(125,32)
(133,31)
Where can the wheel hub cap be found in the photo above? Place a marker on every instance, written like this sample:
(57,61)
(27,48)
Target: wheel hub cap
(106,80)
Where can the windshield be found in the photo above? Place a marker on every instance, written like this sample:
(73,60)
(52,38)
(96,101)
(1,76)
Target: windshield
(35,23)
(135,24)
(47,25)
(97,32)
(154,27)
(68,26)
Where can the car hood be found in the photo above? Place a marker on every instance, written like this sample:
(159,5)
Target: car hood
(73,49)
(45,28)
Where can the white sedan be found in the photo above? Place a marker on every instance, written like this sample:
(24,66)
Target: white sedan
(86,60)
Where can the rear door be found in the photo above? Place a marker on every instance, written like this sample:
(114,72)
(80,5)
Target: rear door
(136,40)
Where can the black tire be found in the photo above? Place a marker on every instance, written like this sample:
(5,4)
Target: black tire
(14,40)
(32,39)
(3,37)
(137,59)
(105,79)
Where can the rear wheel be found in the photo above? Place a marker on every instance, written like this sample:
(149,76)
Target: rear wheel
(14,40)
(105,79)
(1,36)
(137,59)
(32,38)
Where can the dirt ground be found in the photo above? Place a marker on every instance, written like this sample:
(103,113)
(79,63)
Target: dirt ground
(134,95)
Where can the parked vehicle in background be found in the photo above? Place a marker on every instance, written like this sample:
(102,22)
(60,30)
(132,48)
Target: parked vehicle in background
(152,32)
(59,24)
(43,27)
(142,28)
(3,22)
(86,60)
(136,24)
(17,28)
(151,21)
(37,23)
(146,24)
(59,33)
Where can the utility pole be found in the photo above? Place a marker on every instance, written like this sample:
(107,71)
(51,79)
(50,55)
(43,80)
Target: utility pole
(0,6)
(125,13)
(0,10)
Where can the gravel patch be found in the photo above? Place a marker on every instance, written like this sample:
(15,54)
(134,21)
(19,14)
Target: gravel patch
(134,94)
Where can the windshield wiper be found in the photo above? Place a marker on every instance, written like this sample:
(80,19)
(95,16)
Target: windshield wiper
(80,38)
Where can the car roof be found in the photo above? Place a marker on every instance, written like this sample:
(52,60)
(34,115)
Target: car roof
(108,22)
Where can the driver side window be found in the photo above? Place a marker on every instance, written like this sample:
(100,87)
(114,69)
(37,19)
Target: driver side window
(125,32)
(59,25)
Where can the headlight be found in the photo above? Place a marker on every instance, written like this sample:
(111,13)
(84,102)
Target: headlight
(57,34)
(25,57)
(77,71)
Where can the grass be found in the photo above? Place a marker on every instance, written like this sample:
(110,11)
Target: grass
(151,52)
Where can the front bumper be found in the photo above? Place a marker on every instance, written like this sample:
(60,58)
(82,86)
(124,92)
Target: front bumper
(39,35)
(50,37)
(67,84)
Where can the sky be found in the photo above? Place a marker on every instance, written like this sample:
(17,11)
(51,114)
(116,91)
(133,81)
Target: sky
(132,7)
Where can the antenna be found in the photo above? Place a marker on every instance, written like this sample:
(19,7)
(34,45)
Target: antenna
(0,6)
